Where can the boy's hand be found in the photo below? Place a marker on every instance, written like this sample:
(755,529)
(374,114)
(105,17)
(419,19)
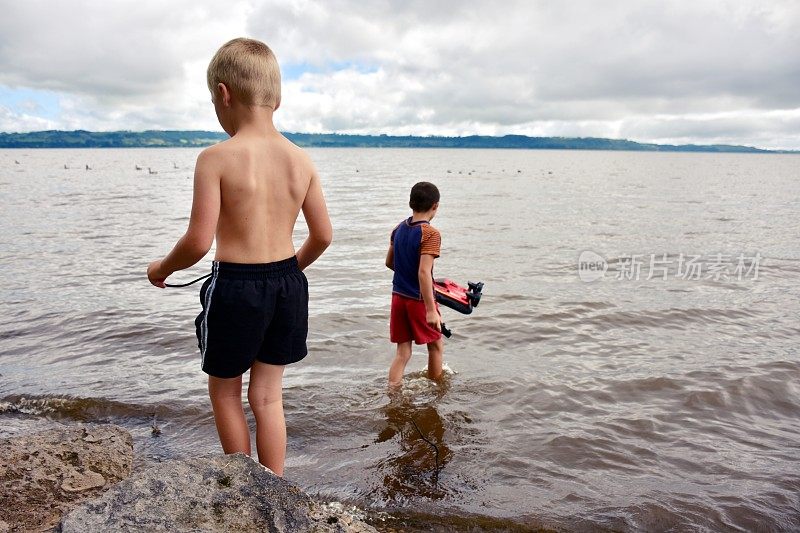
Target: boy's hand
(434,320)
(155,275)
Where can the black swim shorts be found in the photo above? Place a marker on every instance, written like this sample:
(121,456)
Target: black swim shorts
(252,312)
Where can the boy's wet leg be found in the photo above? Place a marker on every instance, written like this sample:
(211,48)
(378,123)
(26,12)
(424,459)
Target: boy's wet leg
(435,357)
(226,400)
(265,397)
(401,358)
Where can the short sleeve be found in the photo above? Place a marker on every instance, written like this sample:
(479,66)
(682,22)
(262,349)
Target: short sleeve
(431,241)
(391,237)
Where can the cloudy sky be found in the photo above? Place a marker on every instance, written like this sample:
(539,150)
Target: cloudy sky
(699,71)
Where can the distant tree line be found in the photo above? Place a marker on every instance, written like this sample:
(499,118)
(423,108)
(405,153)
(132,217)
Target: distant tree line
(172,139)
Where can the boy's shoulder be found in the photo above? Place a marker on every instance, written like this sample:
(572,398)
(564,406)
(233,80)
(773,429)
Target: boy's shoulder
(431,228)
(430,234)
(216,151)
(424,225)
(237,145)
(401,224)
(404,221)
(430,239)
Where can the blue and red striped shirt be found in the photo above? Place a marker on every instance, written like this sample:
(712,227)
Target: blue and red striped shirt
(410,240)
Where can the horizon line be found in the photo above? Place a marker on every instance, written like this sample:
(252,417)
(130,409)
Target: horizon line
(222,134)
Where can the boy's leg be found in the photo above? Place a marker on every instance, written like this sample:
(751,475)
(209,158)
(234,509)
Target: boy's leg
(435,356)
(401,358)
(226,400)
(266,401)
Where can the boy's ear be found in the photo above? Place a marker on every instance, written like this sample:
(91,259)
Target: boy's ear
(435,206)
(224,94)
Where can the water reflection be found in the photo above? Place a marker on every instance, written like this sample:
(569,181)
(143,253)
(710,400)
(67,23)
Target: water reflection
(415,466)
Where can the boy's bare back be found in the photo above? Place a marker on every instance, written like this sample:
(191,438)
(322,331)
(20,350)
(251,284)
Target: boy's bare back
(263,182)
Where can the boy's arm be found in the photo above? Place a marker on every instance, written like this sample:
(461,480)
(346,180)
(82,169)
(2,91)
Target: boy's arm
(426,289)
(320,231)
(390,257)
(199,236)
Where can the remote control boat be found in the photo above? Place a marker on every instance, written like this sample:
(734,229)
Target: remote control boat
(462,299)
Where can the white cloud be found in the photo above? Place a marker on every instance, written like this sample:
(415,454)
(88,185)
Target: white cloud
(700,72)
(117,64)
(568,68)
(11,120)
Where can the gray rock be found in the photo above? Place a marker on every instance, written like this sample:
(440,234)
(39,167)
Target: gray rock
(44,474)
(219,493)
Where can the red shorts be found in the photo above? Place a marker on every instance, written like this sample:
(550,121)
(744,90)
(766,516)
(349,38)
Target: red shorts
(408,322)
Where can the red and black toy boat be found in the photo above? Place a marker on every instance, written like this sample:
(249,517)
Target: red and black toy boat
(452,295)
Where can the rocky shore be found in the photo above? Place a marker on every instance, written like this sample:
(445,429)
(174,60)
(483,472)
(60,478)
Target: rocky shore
(78,479)
(45,474)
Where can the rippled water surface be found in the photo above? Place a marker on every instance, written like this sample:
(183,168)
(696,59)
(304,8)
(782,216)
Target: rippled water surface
(626,404)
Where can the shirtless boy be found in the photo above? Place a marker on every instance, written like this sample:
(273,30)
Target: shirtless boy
(248,192)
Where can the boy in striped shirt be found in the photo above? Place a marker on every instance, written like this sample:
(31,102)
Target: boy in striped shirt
(414,244)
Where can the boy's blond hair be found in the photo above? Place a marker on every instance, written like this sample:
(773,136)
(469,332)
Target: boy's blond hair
(249,69)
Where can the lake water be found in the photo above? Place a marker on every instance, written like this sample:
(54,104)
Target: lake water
(624,403)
